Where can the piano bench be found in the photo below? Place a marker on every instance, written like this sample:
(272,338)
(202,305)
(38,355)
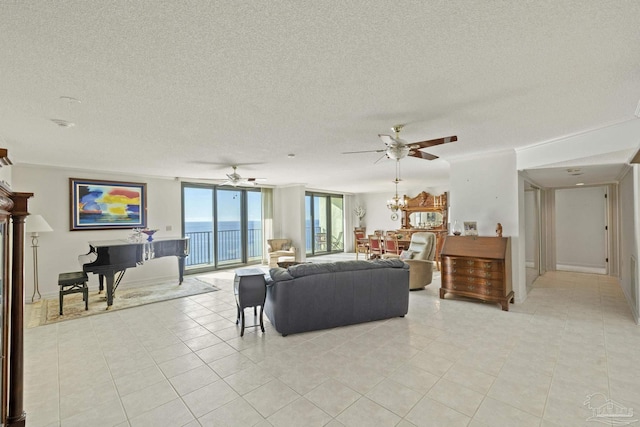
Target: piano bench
(71,283)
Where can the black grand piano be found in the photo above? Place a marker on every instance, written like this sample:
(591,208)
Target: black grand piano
(115,256)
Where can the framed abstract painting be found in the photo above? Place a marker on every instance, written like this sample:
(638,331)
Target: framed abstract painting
(101,205)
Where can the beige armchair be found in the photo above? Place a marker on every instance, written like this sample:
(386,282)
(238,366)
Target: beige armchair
(280,250)
(420,256)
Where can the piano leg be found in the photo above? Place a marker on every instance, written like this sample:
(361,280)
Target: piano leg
(109,276)
(101,281)
(181,269)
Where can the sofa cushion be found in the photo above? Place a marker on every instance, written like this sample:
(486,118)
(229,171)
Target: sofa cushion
(309,269)
(278,274)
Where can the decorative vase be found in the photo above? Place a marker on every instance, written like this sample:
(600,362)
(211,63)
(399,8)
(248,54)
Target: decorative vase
(149,233)
(456,229)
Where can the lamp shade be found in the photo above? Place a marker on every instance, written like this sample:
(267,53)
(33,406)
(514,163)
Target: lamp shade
(37,224)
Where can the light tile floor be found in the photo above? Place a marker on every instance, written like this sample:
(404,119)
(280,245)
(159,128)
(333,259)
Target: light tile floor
(447,363)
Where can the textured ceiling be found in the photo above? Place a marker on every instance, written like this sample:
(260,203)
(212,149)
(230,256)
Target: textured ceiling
(188,88)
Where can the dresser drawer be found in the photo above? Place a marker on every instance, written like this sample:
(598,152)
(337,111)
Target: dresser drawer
(473,288)
(449,280)
(476,264)
(476,272)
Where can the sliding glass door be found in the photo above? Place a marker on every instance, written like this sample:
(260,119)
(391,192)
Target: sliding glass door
(197,224)
(324,218)
(224,225)
(229,226)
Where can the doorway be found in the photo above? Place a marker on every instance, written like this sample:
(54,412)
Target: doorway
(581,229)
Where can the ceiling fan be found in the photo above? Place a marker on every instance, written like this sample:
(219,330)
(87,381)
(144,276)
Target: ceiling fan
(234,179)
(399,149)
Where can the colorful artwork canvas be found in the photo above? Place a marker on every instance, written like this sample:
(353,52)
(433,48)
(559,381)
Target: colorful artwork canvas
(107,204)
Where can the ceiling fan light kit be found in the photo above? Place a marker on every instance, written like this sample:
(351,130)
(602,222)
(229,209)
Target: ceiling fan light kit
(398,149)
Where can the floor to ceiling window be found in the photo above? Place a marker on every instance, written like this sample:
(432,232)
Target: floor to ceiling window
(223,224)
(324,218)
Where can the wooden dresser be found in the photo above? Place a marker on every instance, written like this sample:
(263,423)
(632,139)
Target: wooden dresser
(477,267)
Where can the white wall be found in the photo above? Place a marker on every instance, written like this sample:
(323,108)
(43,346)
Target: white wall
(629,241)
(594,146)
(487,190)
(288,214)
(58,251)
(580,229)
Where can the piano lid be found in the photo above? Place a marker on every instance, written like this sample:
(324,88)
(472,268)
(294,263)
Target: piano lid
(122,242)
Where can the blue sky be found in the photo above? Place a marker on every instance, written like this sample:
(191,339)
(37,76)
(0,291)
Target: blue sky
(199,204)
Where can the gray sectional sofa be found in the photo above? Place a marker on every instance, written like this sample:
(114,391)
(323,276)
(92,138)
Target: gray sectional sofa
(308,297)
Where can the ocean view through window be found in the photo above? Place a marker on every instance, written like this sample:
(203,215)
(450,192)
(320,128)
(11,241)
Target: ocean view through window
(224,225)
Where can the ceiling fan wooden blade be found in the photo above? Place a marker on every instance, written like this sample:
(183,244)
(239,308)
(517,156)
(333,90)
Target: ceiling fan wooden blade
(422,155)
(432,142)
(367,151)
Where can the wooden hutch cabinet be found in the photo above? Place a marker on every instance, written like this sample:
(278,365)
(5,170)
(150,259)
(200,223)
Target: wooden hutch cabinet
(425,212)
(13,211)
(477,267)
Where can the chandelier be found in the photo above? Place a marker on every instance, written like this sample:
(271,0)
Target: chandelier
(396,202)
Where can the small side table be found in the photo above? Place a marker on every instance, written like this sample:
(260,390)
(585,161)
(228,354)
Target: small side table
(250,289)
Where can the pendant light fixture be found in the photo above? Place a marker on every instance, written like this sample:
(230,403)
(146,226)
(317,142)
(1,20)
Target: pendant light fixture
(396,202)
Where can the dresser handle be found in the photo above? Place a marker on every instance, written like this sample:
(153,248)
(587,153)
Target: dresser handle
(471,271)
(469,262)
(489,283)
(487,291)
(471,287)
(455,287)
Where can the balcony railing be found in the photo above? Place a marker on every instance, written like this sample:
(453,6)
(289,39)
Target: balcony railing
(322,244)
(229,247)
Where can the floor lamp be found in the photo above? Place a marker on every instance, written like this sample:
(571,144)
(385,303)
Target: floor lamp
(36,224)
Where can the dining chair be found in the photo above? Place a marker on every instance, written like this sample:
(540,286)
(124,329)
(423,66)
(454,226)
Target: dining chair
(375,246)
(361,242)
(391,245)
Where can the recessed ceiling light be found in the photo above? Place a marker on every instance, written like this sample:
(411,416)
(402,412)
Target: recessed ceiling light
(63,123)
(580,183)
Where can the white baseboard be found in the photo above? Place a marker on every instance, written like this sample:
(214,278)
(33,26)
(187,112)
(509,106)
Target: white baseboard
(581,269)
